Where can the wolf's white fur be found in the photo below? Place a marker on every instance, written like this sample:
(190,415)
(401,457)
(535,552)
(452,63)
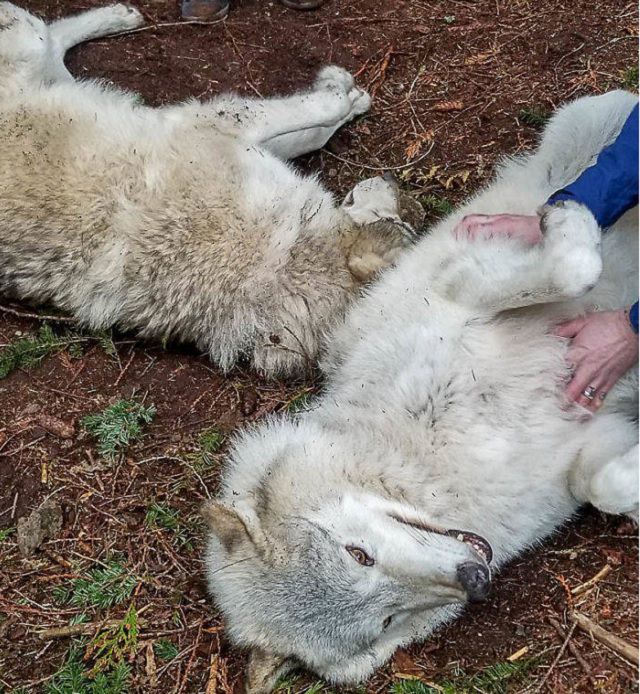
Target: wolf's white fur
(182,222)
(443,408)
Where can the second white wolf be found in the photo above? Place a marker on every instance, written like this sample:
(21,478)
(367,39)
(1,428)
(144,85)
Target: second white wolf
(441,447)
(184,222)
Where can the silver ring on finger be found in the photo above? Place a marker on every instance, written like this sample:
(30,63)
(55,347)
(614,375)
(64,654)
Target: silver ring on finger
(589,392)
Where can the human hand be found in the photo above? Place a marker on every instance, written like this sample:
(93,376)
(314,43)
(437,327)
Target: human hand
(525,228)
(603,348)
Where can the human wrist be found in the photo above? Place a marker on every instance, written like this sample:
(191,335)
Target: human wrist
(627,334)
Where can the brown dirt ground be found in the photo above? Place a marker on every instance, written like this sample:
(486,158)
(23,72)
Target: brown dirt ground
(452,73)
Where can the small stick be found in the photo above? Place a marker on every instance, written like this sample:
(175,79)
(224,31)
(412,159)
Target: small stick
(556,660)
(185,678)
(124,370)
(212,684)
(603,573)
(151,669)
(74,630)
(78,629)
(37,316)
(573,649)
(518,654)
(380,77)
(164,25)
(606,638)
(58,558)
(379,168)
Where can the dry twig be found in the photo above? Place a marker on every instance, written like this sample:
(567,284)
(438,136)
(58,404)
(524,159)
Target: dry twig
(36,316)
(573,649)
(587,585)
(556,660)
(606,638)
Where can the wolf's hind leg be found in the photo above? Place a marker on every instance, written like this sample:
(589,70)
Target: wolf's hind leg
(288,126)
(606,473)
(24,47)
(93,24)
(338,101)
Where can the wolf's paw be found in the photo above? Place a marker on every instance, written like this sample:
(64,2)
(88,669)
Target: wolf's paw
(572,243)
(614,488)
(333,75)
(123,17)
(338,80)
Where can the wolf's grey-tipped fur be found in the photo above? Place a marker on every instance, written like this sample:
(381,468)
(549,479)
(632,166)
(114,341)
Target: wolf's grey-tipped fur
(340,535)
(182,222)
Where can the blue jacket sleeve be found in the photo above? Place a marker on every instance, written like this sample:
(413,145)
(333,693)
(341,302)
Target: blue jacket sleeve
(633,317)
(610,187)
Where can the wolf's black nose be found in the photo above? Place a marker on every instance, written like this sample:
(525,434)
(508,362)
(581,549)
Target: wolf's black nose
(475,579)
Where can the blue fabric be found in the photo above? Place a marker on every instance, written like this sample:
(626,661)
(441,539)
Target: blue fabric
(610,187)
(633,317)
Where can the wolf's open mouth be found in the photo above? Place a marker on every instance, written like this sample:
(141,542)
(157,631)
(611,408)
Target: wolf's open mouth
(476,542)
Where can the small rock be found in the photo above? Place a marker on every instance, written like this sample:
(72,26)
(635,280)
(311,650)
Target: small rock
(42,524)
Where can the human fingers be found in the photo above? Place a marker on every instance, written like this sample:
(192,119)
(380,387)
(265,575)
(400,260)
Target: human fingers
(461,229)
(570,328)
(583,386)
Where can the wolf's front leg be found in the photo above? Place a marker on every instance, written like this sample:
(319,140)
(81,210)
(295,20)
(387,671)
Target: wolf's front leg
(93,24)
(308,121)
(35,49)
(500,273)
(287,126)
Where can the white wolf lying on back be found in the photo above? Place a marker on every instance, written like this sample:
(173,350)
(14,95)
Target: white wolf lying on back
(180,222)
(441,447)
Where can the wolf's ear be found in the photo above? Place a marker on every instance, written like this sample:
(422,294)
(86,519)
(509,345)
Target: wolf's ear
(232,528)
(264,670)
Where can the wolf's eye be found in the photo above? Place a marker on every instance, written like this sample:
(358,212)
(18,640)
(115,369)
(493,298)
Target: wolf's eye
(386,623)
(360,555)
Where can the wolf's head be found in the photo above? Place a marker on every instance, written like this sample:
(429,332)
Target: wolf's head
(383,222)
(325,575)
